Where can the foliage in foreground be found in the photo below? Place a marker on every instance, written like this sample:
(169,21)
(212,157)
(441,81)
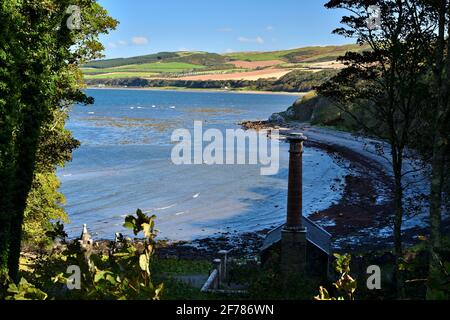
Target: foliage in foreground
(21,291)
(345,285)
(44,203)
(122,275)
(40,56)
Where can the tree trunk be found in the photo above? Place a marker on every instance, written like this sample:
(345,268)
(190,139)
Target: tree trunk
(28,144)
(398,247)
(398,220)
(437,179)
(439,146)
(4,241)
(5,214)
(7,171)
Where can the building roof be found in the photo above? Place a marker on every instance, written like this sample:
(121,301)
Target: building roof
(315,234)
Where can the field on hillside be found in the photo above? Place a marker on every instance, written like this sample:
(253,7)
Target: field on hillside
(255,64)
(146,70)
(204,66)
(248,75)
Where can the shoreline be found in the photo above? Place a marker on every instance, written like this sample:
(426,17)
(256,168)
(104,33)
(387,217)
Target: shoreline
(362,218)
(346,216)
(171,89)
(357,219)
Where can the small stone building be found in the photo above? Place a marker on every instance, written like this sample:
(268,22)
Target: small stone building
(318,247)
(303,247)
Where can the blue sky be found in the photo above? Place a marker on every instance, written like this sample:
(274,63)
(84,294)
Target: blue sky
(149,26)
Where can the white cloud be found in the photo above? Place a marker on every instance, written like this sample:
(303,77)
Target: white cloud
(140,41)
(229,51)
(270,28)
(225,30)
(116,44)
(258,40)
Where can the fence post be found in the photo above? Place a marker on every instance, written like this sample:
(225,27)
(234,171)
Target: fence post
(217,266)
(224,258)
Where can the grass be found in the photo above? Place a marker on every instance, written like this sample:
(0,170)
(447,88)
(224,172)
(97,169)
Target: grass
(196,58)
(289,65)
(163,67)
(205,59)
(158,67)
(164,270)
(118,75)
(258,56)
(181,267)
(184,62)
(307,54)
(140,70)
(310,95)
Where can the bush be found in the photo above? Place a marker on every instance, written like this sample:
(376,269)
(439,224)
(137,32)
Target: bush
(345,285)
(123,274)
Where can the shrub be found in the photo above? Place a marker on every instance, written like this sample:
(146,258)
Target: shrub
(345,285)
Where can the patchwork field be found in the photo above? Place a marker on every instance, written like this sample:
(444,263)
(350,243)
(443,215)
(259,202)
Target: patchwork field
(204,66)
(249,75)
(255,64)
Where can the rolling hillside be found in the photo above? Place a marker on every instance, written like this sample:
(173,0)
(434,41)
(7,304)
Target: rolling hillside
(307,54)
(204,66)
(198,58)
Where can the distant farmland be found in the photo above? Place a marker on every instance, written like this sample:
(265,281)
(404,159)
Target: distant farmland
(204,66)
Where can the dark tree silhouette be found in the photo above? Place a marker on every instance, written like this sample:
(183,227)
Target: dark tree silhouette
(39,60)
(388,80)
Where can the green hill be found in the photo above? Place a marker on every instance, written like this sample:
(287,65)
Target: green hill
(158,67)
(307,54)
(210,66)
(197,58)
(111,63)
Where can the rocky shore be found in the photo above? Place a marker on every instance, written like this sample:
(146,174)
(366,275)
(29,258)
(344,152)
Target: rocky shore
(360,221)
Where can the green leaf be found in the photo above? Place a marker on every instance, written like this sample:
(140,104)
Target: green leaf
(144,263)
(158,291)
(99,275)
(128,225)
(140,214)
(148,230)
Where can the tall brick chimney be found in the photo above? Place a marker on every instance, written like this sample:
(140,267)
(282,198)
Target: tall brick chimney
(295,197)
(293,235)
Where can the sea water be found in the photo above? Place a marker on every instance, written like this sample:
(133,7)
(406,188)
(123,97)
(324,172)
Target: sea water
(124,163)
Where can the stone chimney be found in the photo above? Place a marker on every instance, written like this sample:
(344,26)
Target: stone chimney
(295,197)
(293,235)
